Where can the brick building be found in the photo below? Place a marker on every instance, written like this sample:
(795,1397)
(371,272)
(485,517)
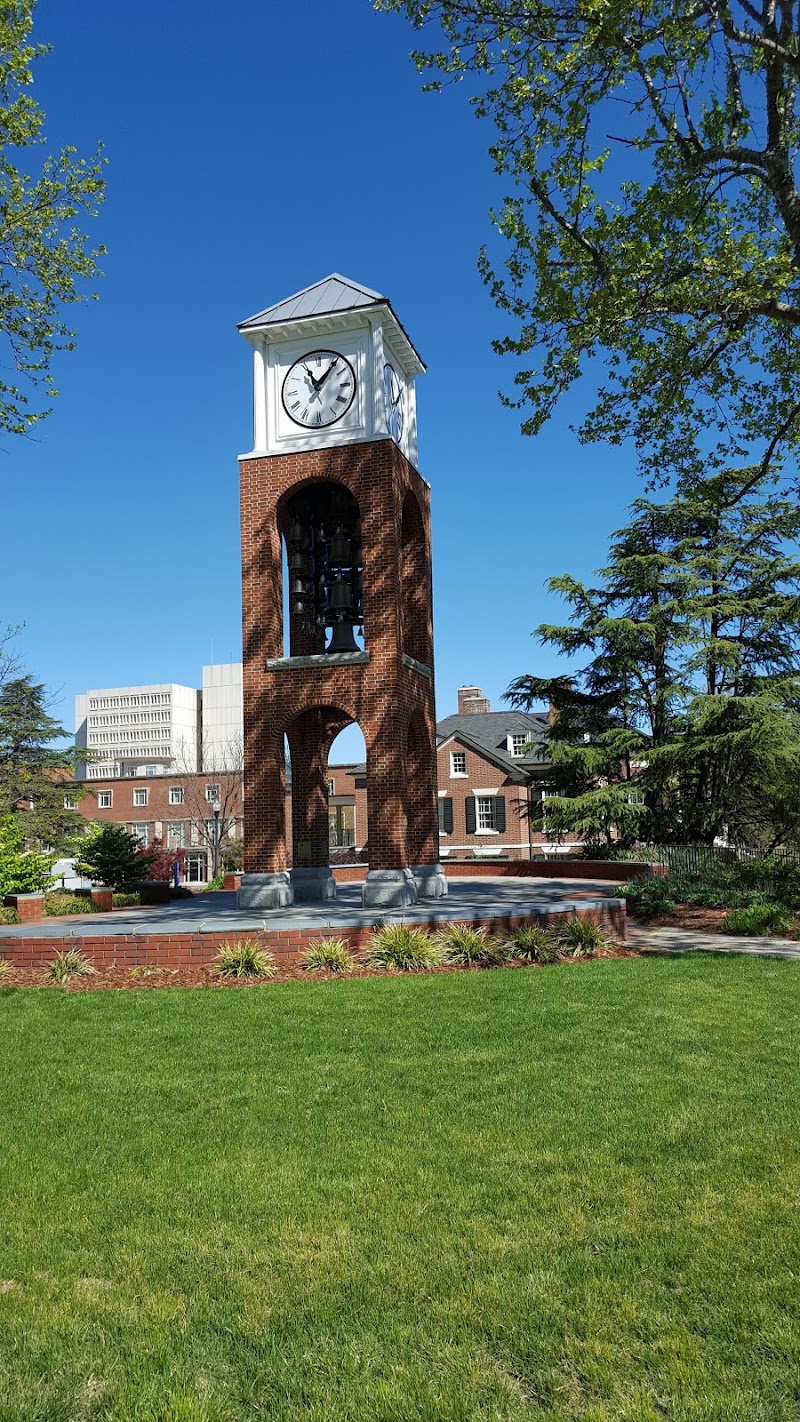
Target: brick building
(176,809)
(489,774)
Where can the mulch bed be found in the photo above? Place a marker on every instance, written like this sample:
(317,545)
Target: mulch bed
(153,976)
(697,917)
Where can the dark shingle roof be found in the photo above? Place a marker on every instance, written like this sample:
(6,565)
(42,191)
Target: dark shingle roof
(488,732)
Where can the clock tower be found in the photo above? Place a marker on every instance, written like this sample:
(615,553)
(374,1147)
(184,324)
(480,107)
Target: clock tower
(336,597)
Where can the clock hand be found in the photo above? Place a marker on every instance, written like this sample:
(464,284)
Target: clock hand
(316,383)
(325,376)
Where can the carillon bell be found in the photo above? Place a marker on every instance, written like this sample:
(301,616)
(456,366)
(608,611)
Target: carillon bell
(341,596)
(340,549)
(342,639)
(297,534)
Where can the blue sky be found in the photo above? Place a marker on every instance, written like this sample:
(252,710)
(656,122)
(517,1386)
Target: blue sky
(251,153)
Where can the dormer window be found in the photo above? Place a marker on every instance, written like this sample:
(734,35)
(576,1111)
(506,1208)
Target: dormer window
(517,743)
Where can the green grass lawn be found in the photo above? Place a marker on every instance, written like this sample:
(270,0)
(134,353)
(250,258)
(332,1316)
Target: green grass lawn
(562,1194)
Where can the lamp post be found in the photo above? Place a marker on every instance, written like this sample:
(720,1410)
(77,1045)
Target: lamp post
(216,838)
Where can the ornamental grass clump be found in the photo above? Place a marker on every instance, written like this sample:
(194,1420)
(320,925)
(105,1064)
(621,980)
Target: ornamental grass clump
(403,947)
(759,920)
(5,968)
(332,954)
(8,915)
(533,945)
(244,959)
(69,964)
(579,938)
(470,947)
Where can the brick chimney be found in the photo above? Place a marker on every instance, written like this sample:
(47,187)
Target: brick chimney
(472,702)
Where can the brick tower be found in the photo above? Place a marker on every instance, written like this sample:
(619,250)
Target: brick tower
(333,505)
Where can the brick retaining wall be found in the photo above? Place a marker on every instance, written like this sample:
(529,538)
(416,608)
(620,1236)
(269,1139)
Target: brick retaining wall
(193,950)
(615,873)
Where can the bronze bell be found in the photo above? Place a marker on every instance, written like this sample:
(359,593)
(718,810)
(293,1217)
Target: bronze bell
(340,595)
(340,548)
(342,639)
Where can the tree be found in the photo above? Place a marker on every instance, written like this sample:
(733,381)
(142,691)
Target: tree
(45,258)
(34,774)
(223,771)
(21,871)
(685,720)
(653,217)
(111,856)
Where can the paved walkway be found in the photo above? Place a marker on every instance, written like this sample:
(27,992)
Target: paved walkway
(688,940)
(212,913)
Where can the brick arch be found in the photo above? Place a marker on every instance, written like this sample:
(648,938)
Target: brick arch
(422,838)
(415,574)
(310,733)
(324,512)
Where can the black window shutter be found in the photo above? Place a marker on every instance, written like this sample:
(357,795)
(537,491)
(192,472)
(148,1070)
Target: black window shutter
(445,815)
(469,804)
(500,813)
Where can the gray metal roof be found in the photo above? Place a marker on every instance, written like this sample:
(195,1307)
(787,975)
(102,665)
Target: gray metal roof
(333,293)
(329,297)
(488,731)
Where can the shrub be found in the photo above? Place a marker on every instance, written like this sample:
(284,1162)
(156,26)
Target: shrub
(130,900)
(59,904)
(648,895)
(215,884)
(9,915)
(459,943)
(21,872)
(580,938)
(5,968)
(244,959)
(759,920)
(330,953)
(403,947)
(533,944)
(68,964)
(109,855)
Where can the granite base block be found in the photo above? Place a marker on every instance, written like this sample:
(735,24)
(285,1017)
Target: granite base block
(265,891)
(389,888)
(316,885)
(430,881)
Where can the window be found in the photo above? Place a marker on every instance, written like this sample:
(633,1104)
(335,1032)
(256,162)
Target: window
(151,770)
(70,803)
(130,771)
(140,797)
(141,831)
(331,787)
(485,817)
(518,744)
(485,813)
(458,763)
(212,793)
(105,799)
(175,795)
(445,814)
(174,834)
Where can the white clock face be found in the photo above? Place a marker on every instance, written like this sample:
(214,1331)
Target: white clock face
(318,389)
(394,402)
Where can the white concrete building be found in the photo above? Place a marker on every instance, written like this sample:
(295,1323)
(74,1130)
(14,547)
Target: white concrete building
(158,729)
(221,732)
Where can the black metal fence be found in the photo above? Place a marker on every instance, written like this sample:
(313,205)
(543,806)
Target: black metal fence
(705,858)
